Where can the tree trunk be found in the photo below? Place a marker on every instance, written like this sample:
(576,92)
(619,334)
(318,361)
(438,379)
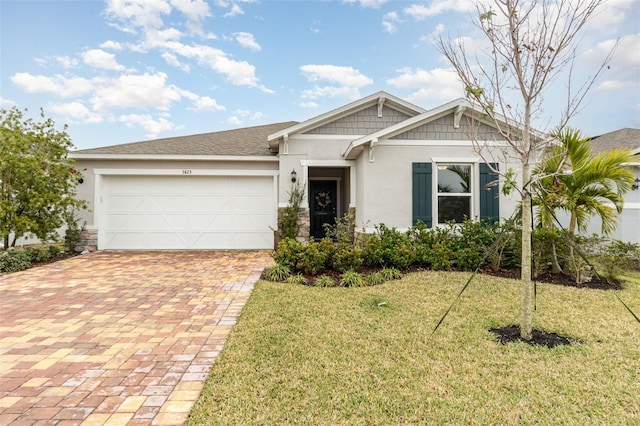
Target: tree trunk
(526,313)
(570,253)
(555,265)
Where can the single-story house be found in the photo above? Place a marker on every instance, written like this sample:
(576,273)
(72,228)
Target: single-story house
(628,228)
(385,159)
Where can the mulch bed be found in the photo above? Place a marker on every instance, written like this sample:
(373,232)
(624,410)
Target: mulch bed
(597,283)
(511,333)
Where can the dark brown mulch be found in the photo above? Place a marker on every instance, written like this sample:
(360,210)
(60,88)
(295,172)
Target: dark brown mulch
(511,333)
(597,283)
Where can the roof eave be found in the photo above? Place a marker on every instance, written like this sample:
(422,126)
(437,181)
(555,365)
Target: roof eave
(167,157)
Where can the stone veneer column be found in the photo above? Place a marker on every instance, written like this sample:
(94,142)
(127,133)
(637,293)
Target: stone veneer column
(88,240)
(304,220)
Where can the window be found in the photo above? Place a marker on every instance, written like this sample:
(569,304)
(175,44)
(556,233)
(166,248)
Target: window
(456,187)
(454,195)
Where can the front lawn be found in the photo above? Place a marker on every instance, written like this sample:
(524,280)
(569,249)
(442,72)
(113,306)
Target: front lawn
(332,356)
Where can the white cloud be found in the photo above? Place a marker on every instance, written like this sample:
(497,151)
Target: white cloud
(234,11)
(112,45)
(135,91)
(6,103)
(624,68)
(234,120)
(172,60)
(98,58)
(308,105)
(138,13)
(240,73)
(346,81)
(152,127)
(610,14)
(345,76)
(206,103)
(438,84)
(389,22)
(66,61)
(57,85)
(195,10)
(75,112)
(371,4)
(247,40)
(420,12)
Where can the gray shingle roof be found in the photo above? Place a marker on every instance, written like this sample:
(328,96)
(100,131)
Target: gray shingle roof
(623,138)
(248,141)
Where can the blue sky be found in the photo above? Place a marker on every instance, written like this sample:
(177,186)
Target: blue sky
(119,71)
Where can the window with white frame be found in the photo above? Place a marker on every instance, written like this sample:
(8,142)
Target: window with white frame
(454,192)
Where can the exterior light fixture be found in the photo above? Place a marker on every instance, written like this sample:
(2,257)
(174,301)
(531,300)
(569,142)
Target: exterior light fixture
(636,185)
(294,176)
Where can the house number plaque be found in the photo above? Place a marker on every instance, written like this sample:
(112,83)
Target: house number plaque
(187,172)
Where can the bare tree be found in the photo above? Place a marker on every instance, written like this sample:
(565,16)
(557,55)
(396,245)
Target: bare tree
(531,45)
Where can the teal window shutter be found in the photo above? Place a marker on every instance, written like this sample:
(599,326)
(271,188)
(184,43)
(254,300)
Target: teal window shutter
(422,193)
(489,196)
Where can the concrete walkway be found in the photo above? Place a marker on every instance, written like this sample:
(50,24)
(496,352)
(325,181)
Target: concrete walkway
(117,338)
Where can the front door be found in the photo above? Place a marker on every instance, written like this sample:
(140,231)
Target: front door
(323,204)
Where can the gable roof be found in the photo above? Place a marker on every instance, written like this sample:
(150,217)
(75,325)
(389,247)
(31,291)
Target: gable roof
(380,98)
(626,138)
(245,142)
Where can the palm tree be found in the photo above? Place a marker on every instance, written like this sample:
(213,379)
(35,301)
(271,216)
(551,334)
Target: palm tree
(571,178)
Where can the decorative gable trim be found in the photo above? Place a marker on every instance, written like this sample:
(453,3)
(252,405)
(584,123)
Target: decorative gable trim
(379,99)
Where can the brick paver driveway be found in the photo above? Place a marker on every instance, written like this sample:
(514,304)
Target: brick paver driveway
(115,338)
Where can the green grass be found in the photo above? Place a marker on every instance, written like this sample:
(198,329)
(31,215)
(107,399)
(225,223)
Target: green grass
(356,356)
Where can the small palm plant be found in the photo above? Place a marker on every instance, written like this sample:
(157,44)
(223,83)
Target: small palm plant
(572,179)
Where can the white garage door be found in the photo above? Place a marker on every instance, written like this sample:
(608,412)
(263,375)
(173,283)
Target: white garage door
(187,212)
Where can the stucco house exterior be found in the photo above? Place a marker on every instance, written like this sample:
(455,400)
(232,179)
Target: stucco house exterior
(381,157)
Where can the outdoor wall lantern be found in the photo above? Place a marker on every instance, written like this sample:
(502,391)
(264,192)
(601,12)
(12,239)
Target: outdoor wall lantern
(294,176)
(635,186)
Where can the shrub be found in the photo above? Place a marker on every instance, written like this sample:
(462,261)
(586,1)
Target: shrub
(277,273)
(345,257)
(324,281)
(501,253)
(616,257)
(375,278)
(388,248)
(307,258)
(55,252)
(391,274)
(287,253)
(352,279)
(37,254)
(288,225)
(469,258)
(439,258)
(297,279)
(343,230)
(14,261)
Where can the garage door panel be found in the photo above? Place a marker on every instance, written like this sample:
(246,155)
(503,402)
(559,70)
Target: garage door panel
(187,212)
(209,203)
(124,203)
(250,203)
(249,222)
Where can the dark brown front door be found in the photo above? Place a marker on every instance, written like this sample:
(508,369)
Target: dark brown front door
(323,205)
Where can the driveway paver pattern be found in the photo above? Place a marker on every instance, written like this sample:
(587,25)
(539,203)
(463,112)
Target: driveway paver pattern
(117,338)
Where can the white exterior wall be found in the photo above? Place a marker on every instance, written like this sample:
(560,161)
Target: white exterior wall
(320,150)
(628,228)
(389,181)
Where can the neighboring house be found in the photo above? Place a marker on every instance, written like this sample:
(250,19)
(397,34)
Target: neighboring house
(628,228)
(383,158)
